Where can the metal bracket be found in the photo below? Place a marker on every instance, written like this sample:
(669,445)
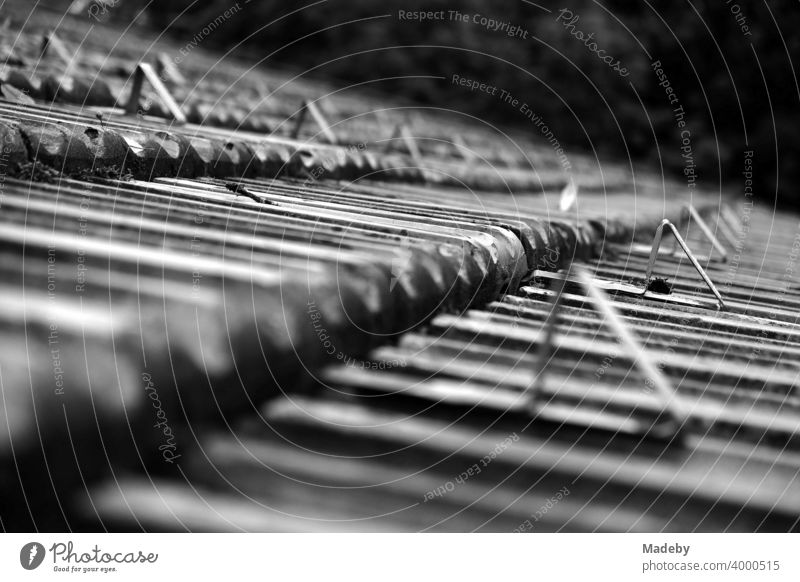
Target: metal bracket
(733,220)
(654,255)
(688,214)
(725,229)
(677,415)
(730,225)
(311,107)
(168,70)
(146,71)
(463,149)
(402,131)
(50,41)
(726,224)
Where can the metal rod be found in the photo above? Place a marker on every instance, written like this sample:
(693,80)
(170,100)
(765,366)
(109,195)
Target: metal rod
(664,389)
(653,376)
(546,349)
(731,218)
(168,70)
(727,232)
(694,215)
(301,117)
(404,133)
(316,114)
(52,41)
(132,106)
(146,71)
(321,122)
(462,148)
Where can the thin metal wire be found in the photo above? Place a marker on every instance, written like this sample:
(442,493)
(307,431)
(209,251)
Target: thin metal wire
(319,118)
(404,134)
(664,389)
(725,228)
(321,122)
(144,71)
(549,328)
(692,215)
(672,405)
(51,41)
(732,220)
(463,149)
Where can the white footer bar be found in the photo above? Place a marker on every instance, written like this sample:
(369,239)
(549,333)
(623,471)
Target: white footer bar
(401,557)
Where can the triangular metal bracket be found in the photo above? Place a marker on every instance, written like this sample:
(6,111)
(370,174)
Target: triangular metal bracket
(145,71)
(728,224)
(689,214)
(687,251)
(677,415)
(463,149)
(402,132)
(168,70)
(51,42)
(319,118)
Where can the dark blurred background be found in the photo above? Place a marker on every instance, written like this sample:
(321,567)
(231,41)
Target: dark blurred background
(730,64)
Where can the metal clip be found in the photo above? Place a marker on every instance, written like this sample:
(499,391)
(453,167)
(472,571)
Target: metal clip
(145,71)
(666,393)
(654,255)
(325,128)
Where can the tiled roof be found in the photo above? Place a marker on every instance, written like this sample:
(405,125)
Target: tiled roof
(365,317)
